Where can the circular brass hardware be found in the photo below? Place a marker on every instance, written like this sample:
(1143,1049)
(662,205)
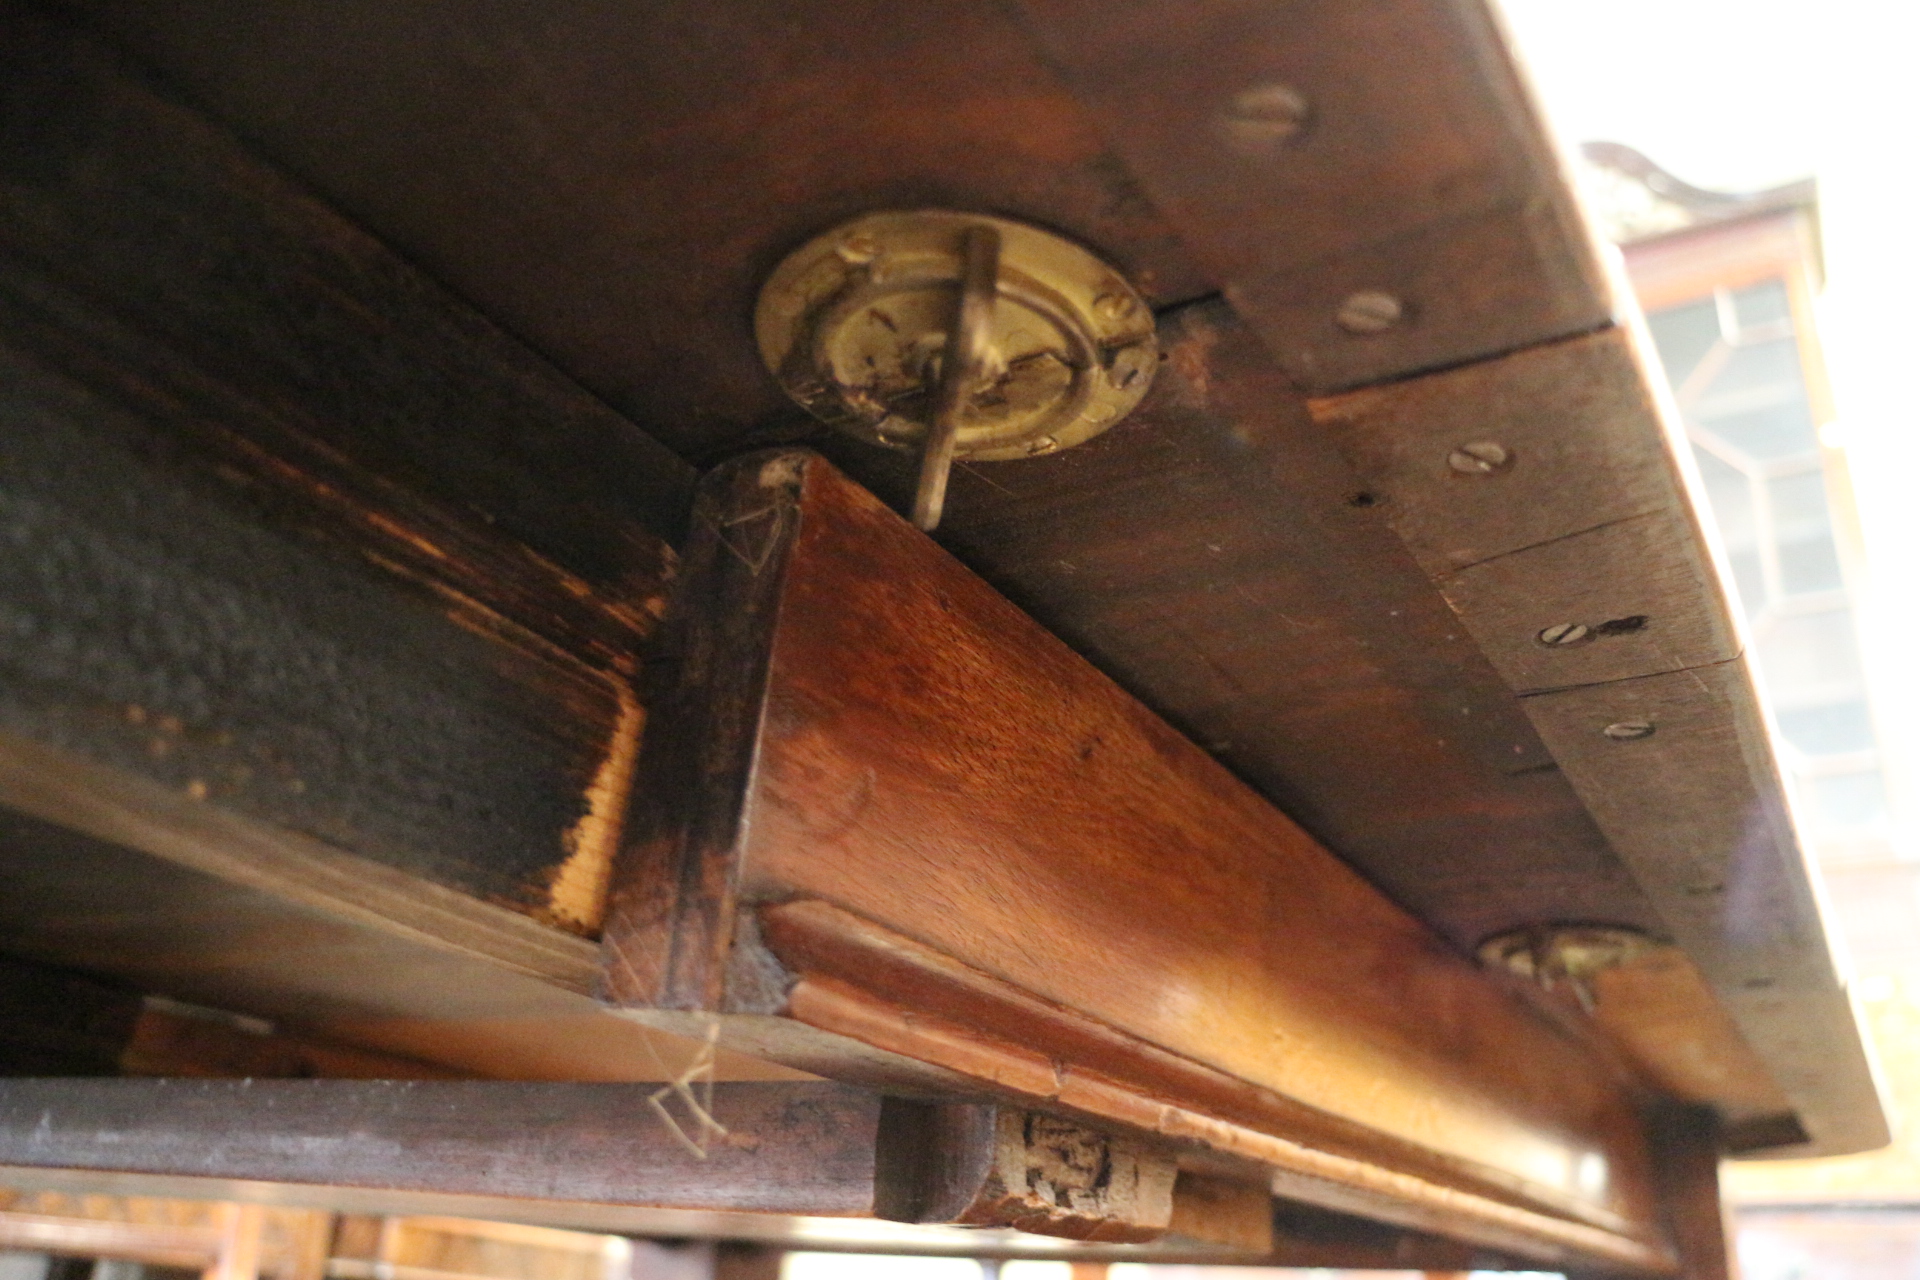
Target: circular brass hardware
(855,324)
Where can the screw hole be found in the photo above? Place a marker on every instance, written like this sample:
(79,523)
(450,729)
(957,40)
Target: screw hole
(1362,499)
(1622,626)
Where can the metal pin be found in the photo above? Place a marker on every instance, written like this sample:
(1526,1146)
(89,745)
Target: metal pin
(960,367)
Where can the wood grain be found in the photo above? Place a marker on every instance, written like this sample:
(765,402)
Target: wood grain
(190,265)
(1645,589)
(1589,441)
(1594,519)
(1420,168)
(1217,556)
(1698,810)
(156,1245)
(919,754)
(332,947)
(285,541)
(864,986)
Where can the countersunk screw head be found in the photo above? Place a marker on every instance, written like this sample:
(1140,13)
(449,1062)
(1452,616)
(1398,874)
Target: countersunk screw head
(1113,306)
(1263,114)
(1479,458)
(1369,311)
(1561,634)
(1629,730)
(1045,444)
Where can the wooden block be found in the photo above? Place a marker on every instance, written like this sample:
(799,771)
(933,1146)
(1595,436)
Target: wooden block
(1222,1211)
(1697,809)
(858,728)
(1312,151)
(987,1166)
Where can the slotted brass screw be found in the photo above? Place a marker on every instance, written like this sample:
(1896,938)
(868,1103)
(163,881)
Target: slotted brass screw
(1564,633)
(1264,114)
(1479,458)
(1369,311)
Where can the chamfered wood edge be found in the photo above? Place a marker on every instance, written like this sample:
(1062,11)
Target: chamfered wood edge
(1784,987)
(670,914)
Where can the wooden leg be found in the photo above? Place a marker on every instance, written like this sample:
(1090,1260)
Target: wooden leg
(239,1243)
(747,1262)
(1686,1143)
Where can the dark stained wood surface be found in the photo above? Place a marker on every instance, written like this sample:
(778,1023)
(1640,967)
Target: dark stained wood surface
(1589,521)
(186,261)
(797,1148)
(1203,553)
(299,534)
(482,143)
(479,143)
(159,629)
(1699,811)
(1418,169)
(898,741)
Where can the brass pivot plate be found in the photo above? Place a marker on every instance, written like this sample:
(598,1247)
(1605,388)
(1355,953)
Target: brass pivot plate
(854,324)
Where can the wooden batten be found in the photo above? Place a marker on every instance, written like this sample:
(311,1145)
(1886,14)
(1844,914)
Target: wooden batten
(856,727)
